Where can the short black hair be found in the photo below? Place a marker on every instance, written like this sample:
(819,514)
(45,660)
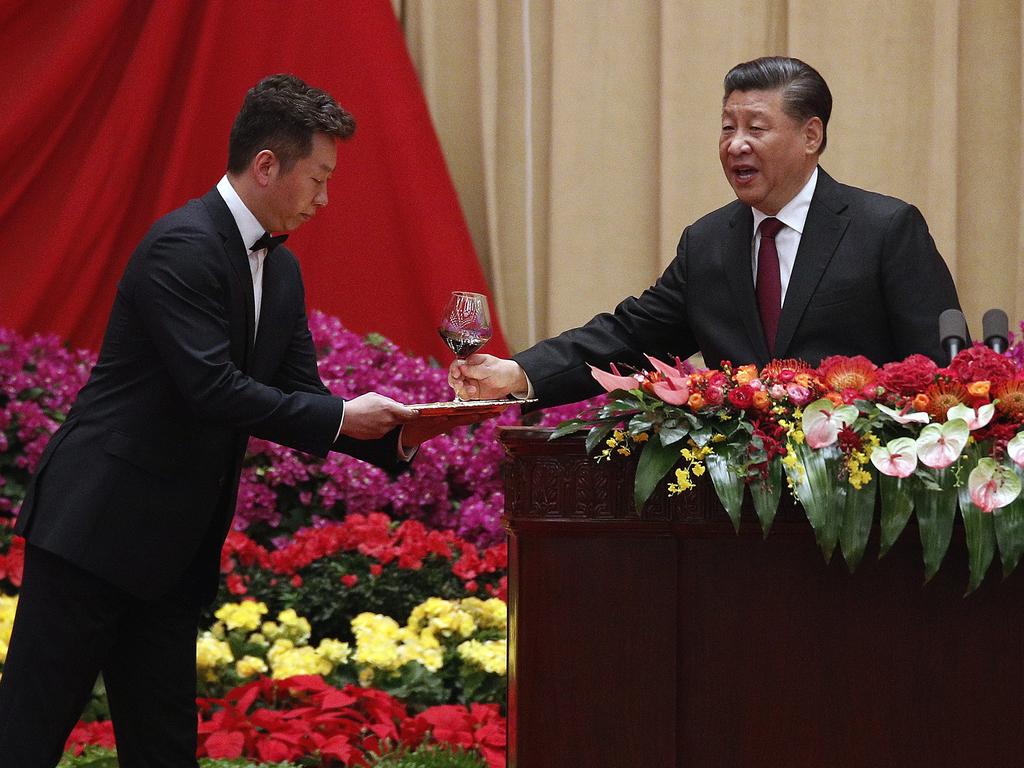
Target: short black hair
(281,113)
(805,93)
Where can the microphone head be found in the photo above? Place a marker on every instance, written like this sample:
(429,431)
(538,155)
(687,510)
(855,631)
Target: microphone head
(995,325)
(952,325)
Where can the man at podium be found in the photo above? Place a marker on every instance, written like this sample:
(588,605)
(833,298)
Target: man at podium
(799,265)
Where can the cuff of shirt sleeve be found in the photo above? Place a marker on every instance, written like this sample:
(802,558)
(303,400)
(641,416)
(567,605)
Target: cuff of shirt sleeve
(528,395)
(405,454)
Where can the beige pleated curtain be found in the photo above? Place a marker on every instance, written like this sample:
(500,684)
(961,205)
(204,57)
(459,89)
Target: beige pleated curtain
(582,134)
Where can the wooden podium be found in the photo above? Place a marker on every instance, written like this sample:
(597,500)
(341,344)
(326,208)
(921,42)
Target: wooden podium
(664,639)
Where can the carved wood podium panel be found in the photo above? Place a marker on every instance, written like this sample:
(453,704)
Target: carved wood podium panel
(661,638)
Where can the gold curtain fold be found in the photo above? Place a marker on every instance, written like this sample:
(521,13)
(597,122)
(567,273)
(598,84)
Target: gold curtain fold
(616,103)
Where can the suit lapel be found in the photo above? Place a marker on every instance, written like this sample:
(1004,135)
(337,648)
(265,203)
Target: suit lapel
(823,231)
(243,310)
(736,260)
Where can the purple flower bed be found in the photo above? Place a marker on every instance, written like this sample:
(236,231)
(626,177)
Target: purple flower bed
(455,482)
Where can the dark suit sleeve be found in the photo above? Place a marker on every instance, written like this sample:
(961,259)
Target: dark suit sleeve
(179,293)
(917,285)
(654,323)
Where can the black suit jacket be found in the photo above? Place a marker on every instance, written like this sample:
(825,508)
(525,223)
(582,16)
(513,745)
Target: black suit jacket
(138,486)
(867,280)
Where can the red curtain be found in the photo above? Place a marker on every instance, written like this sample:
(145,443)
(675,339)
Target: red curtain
(117,111)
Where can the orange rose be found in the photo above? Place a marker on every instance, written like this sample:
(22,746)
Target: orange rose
(745,374)
(921,402)
(804,379)
(696,401)
(835,397)
(761,400)
(979,388)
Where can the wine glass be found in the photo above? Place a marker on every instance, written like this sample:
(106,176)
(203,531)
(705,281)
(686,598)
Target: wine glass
(465,323)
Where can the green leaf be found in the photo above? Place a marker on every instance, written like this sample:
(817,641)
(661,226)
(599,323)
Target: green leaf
(858,513)
(819,494)
(656,459)
(935,512)
(897,504)
(597,435)
(670,436)
(729,486)
(1009,525)
(569,427)
(981,541)
(766,493)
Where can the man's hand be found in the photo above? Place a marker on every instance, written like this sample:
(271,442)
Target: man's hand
(370,416)
(486,377)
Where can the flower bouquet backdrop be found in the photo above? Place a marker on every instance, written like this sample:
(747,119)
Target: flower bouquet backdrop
(361,618)
(928,441)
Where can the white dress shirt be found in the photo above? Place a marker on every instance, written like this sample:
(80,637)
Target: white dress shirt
(794,216)
(251,230)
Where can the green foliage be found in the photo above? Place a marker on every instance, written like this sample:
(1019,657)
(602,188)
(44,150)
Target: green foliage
(98,757)
(429,757)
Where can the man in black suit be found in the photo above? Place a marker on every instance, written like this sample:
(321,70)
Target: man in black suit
(839,271)
(207,344)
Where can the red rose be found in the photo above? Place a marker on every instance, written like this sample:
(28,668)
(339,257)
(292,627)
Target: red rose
(376,569)
(350,580)
(742,397)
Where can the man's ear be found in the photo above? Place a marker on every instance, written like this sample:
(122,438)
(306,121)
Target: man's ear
(264,167)
(813,133)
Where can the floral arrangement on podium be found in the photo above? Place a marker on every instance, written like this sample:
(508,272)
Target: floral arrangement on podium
(928,441)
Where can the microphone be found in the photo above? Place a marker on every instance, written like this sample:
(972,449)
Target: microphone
(996,328)
(952,331)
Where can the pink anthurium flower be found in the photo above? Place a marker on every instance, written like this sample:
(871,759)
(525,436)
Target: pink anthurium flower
(1015,449)
(670,371)
(976,419)
(992,485)
(672,391)
(674,388)
(904,417)
(612,381)
(898,458)
(939,445)
(823,419)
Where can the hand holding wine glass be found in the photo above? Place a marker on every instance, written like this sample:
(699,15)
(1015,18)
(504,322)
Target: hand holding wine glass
(465,324)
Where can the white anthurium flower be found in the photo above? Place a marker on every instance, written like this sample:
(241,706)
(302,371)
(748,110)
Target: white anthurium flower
(1015,449)
(992,485)
(823,419)
(898,458)
(901,417)
(976,419)
(939,445)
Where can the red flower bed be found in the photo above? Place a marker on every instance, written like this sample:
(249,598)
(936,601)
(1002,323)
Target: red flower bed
(407,546)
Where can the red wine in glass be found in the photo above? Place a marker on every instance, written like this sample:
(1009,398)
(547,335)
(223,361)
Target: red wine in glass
(465,323)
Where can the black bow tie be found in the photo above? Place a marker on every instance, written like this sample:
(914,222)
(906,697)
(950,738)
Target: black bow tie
(268,242)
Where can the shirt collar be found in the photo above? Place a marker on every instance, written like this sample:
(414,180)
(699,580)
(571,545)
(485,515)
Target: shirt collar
(248,226)
(793,213)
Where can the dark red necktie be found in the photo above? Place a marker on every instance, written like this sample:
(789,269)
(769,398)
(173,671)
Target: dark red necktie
(769,282)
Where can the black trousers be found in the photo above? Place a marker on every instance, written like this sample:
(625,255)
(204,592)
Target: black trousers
(69,627)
